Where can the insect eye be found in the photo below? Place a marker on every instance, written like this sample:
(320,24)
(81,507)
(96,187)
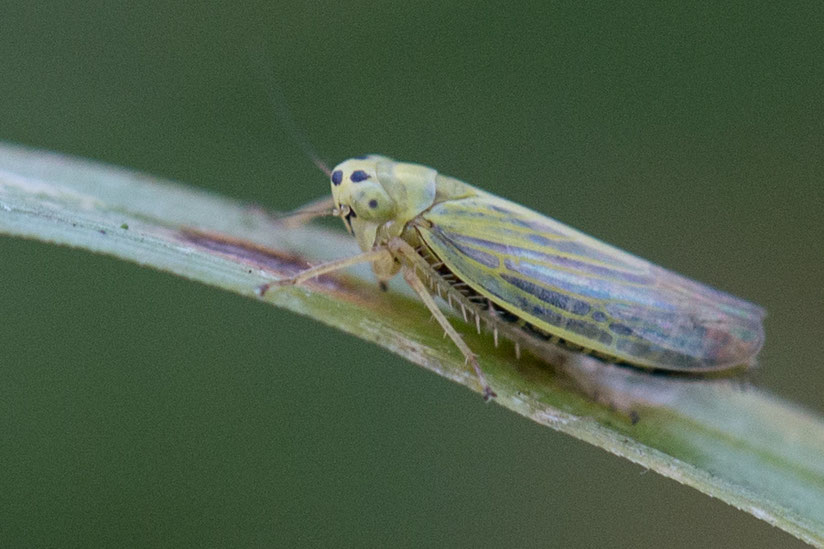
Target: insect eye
(337,177)
(373,203)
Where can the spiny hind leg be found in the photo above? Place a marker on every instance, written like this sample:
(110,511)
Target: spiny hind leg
(372,256)
(420,288)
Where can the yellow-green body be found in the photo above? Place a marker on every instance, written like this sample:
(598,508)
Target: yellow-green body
(554,282)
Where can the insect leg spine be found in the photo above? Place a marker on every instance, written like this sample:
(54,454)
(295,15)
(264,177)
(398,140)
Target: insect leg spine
(461,298)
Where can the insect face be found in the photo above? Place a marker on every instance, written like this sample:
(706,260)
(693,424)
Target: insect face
(356,185)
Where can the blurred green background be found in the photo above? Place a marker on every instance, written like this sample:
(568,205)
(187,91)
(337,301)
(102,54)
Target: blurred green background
(137,408)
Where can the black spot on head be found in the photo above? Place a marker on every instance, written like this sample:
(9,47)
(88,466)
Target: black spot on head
(337,177)
(362,157)
(373,203)
(358,176)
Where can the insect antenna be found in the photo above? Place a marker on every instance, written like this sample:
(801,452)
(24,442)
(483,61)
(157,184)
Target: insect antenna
(280,107)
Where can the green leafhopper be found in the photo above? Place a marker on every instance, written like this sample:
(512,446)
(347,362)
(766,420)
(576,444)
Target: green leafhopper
(529,277)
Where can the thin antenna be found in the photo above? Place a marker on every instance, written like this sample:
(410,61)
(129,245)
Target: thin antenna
(280,107)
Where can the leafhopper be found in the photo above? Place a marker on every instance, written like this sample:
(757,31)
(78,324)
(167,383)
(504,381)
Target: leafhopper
(528,277)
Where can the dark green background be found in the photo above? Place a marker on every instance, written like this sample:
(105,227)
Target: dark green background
(137,408)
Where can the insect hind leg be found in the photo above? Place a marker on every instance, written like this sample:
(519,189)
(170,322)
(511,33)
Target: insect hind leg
(420,288)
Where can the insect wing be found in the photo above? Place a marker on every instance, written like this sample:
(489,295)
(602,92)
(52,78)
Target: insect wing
(570,285)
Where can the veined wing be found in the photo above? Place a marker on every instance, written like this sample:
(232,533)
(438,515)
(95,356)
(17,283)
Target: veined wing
(591,294)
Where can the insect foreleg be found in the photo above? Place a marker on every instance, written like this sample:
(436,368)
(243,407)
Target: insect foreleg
(420,288)
(378,254)
(321,207)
